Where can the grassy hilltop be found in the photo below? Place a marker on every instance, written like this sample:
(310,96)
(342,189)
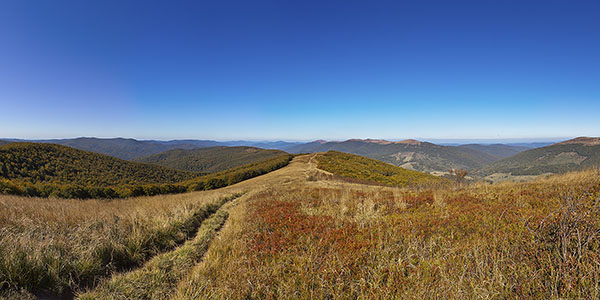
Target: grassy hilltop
(362,168)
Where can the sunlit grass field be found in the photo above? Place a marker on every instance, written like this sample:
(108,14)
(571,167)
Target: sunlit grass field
(338,240)
(300,233)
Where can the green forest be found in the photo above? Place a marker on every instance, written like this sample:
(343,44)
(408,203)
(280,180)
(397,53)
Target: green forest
(49,170)
(210,160)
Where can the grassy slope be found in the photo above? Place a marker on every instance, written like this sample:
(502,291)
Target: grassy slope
(210,160)
(322,240)
(50,163)
(358,167)
(557,158)
(293,238)
(56,246)
(159,277)
(424,157)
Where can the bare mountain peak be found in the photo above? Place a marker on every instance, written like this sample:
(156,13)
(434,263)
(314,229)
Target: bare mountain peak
(410,142)
(587,141)
(386,142)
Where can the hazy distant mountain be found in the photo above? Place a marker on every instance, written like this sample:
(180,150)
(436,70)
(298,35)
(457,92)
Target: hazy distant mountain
(279,145)
(531,145)
(131,149)
(499,151)
(210,160)
(122,148)
(190,143)
(571,155)
(410,154)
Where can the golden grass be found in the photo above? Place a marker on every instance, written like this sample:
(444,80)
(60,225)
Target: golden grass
(57,245)
(300,233)
(326,239)
(159,277)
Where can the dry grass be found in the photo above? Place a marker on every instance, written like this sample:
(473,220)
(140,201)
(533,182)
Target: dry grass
(326,239)
(159,277)
(300,233)
(58,246)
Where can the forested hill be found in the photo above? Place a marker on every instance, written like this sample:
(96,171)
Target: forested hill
(51,163)
(210,160)
(128,148)
(571,155)
(499,151)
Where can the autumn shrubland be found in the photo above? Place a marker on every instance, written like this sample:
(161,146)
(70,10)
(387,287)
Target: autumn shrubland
(331,239)
(304,233)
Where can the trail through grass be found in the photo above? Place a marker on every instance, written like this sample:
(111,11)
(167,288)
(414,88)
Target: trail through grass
(159,277)
(60,269)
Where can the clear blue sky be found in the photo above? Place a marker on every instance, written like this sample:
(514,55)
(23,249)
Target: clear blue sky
(299,70)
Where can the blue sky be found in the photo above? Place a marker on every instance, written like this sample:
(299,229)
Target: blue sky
(300,70)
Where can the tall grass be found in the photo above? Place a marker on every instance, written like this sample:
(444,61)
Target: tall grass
(159,277)
(299,234)
(60,246)
(337,240)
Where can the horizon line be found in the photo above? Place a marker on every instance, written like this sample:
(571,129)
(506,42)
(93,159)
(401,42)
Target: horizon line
(258,140)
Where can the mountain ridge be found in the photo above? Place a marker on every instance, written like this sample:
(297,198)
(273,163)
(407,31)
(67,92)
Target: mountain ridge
(411,154)
(211,159)
(570,155)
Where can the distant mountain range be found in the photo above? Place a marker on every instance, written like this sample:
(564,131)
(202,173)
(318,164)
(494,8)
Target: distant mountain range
(571,155)
(130,149)
(211,159)
(479,159)
(415,155)
(498,151)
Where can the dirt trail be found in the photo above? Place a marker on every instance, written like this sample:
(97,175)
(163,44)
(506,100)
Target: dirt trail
(297,171)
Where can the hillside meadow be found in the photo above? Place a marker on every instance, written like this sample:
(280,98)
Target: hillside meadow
(330,239)
(300,232)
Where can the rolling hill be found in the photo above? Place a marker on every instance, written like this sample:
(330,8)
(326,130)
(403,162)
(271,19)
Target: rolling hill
(57,164)
(363,168)
(499,151)
(3,142)
(409,154)
(571,155)
(131,149)
(210,160)
(127,148)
